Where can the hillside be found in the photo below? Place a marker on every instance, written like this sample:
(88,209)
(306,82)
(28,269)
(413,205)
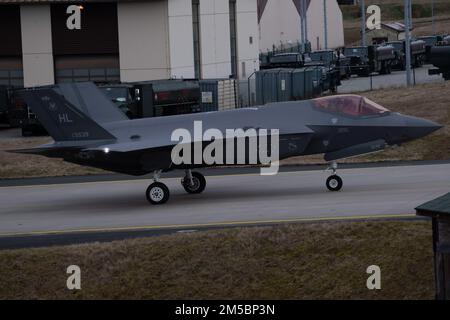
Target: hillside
(392,10)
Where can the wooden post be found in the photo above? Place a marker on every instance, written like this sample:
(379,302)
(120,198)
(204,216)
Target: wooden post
(441,246)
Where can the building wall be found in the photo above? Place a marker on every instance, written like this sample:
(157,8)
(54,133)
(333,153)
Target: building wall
(181,39)
(316,27)
(215,39)
(143,41)
(247,37)
(382,33)
(155,41)
(37,54)
(280,24)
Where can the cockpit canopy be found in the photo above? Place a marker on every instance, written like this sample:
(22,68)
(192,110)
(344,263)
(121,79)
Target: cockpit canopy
(351,105)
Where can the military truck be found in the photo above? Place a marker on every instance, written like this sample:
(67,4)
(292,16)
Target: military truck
(370,59)
(440,58)
(284,60)
(332,60)
(430,41)
(418,54)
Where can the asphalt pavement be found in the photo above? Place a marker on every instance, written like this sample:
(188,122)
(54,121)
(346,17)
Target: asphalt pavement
(67,210)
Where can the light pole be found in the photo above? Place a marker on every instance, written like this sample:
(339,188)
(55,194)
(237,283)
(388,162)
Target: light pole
(363,23)
(325,24)
(410,15)
(305,14)
(407,43)
(302,26)
(432,18)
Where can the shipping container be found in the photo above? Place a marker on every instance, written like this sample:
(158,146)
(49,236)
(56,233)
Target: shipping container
(218,94)
(276,85)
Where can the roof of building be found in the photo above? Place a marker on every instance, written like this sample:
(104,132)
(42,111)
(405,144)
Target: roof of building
(396,26)
(440,205)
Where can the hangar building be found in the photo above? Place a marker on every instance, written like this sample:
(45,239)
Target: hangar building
(48,41)
(279,23)
(126,40)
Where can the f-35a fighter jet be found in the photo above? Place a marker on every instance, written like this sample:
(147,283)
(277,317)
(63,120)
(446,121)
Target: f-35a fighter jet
(90,130)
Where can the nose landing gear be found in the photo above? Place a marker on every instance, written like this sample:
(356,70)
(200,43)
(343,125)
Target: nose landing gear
(334,182)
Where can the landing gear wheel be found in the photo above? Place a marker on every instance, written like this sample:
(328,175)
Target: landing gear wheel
(157,193)
(198,184)
(334,183)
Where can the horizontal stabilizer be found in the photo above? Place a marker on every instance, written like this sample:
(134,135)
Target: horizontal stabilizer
(368,147)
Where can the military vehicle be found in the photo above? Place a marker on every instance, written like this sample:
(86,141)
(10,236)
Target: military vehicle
(430,41)
(332,60)
(284,60)
(418,54)
(369,59)
(440,58)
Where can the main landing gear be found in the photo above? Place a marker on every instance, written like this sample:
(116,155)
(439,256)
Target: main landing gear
(334,182)
(158,192)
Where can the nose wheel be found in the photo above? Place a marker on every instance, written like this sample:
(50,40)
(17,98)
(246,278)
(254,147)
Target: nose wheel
(193,182)
(334,182)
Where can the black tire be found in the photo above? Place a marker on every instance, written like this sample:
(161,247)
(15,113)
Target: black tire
(199,183)
(334,183)
(157,193)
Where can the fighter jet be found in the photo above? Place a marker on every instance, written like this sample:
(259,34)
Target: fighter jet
(89,130)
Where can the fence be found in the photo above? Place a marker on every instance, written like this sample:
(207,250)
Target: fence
(396,79)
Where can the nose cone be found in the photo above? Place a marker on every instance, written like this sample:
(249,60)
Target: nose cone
(418,128)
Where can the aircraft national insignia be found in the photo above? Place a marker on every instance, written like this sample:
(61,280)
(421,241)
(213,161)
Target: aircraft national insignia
(52,106)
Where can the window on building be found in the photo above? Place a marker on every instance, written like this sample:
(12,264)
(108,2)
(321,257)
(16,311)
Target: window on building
(196,29)
(80,75)
(233,38)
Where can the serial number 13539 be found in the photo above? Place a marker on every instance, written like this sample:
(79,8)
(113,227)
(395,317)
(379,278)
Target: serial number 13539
(82,134)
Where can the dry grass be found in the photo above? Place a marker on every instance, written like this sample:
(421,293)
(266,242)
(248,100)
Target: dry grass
(303,261)
(23,165)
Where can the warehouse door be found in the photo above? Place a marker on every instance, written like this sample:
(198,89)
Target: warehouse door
(11,71)
(90,53)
